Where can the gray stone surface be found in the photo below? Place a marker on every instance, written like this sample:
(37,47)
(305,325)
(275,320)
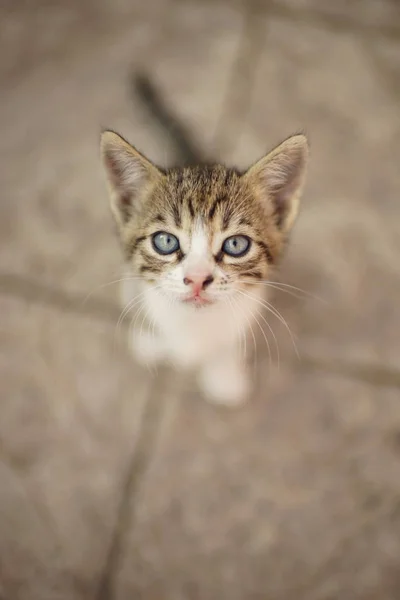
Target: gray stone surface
(118,484)
(71,411)
(295,496)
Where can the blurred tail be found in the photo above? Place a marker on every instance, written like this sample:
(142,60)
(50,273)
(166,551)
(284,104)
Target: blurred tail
(144,89)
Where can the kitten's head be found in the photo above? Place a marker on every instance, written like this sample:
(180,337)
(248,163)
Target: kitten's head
(200,234)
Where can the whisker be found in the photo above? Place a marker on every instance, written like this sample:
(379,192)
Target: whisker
(243,331)
(128,307)
(273,335)
(275,287)
(268,306)
(252,333)
(171,302)
(265,337)
(153,336)
(102,286)
(240,330)
(281,286)
(145,316)
(135,318)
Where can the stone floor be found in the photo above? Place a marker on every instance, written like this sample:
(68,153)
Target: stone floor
(118,485)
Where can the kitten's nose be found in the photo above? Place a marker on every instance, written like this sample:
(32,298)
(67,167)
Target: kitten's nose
(198,282)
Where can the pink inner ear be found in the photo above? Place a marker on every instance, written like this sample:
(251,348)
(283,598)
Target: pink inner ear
(113,169)
(125,200)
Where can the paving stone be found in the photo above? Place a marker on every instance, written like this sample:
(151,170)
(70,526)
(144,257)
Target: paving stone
(70,417)
(294,496)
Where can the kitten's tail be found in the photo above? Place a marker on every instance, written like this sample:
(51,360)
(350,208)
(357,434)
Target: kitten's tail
(187,149)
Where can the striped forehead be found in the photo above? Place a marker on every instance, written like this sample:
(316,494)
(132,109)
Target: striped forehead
(203,192)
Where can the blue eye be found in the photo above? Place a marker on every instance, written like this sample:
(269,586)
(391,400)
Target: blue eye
(236,245)
(165,243)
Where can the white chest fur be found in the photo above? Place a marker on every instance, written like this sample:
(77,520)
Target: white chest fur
(212,339)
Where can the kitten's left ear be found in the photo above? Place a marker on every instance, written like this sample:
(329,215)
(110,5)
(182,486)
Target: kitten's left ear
(279,179)
(129,175)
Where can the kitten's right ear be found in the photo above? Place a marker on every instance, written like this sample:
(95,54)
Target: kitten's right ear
(129,174)
(279,179)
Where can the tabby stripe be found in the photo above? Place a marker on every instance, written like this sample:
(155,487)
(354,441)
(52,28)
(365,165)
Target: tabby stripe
(228,177)
(255,274)
(191,208)
(250,263)
(133,246)
(152,261)
(179,256)
(149,269)
(267,252)
(176,215)
(219,200)
(179,177)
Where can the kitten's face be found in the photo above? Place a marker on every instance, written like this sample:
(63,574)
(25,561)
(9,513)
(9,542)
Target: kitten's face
(201,235)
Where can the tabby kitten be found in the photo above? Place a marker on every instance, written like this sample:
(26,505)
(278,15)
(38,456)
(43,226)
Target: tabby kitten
(197,241)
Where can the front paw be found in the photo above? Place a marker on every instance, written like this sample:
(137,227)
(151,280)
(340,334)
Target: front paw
(225,383)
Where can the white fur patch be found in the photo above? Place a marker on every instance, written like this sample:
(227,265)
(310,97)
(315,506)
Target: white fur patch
(199,242)
(198,260)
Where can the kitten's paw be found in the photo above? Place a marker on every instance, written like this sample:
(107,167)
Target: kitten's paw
(226,383)
(147,349)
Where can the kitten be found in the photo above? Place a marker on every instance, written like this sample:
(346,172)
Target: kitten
(197,243)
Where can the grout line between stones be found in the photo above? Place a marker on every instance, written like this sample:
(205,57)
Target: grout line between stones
(138,465)
(243,71)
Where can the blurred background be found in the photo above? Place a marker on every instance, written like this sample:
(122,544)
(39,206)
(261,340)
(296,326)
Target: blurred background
(115,484)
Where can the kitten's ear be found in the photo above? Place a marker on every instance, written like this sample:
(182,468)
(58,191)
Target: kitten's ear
(279,179)
(129,174)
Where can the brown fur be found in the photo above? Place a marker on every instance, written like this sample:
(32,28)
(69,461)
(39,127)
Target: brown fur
(261,203)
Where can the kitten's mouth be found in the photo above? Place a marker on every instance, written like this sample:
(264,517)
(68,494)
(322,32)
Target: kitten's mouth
(197,300)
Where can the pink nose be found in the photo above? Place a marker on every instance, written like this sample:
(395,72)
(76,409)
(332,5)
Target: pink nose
(198,282)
